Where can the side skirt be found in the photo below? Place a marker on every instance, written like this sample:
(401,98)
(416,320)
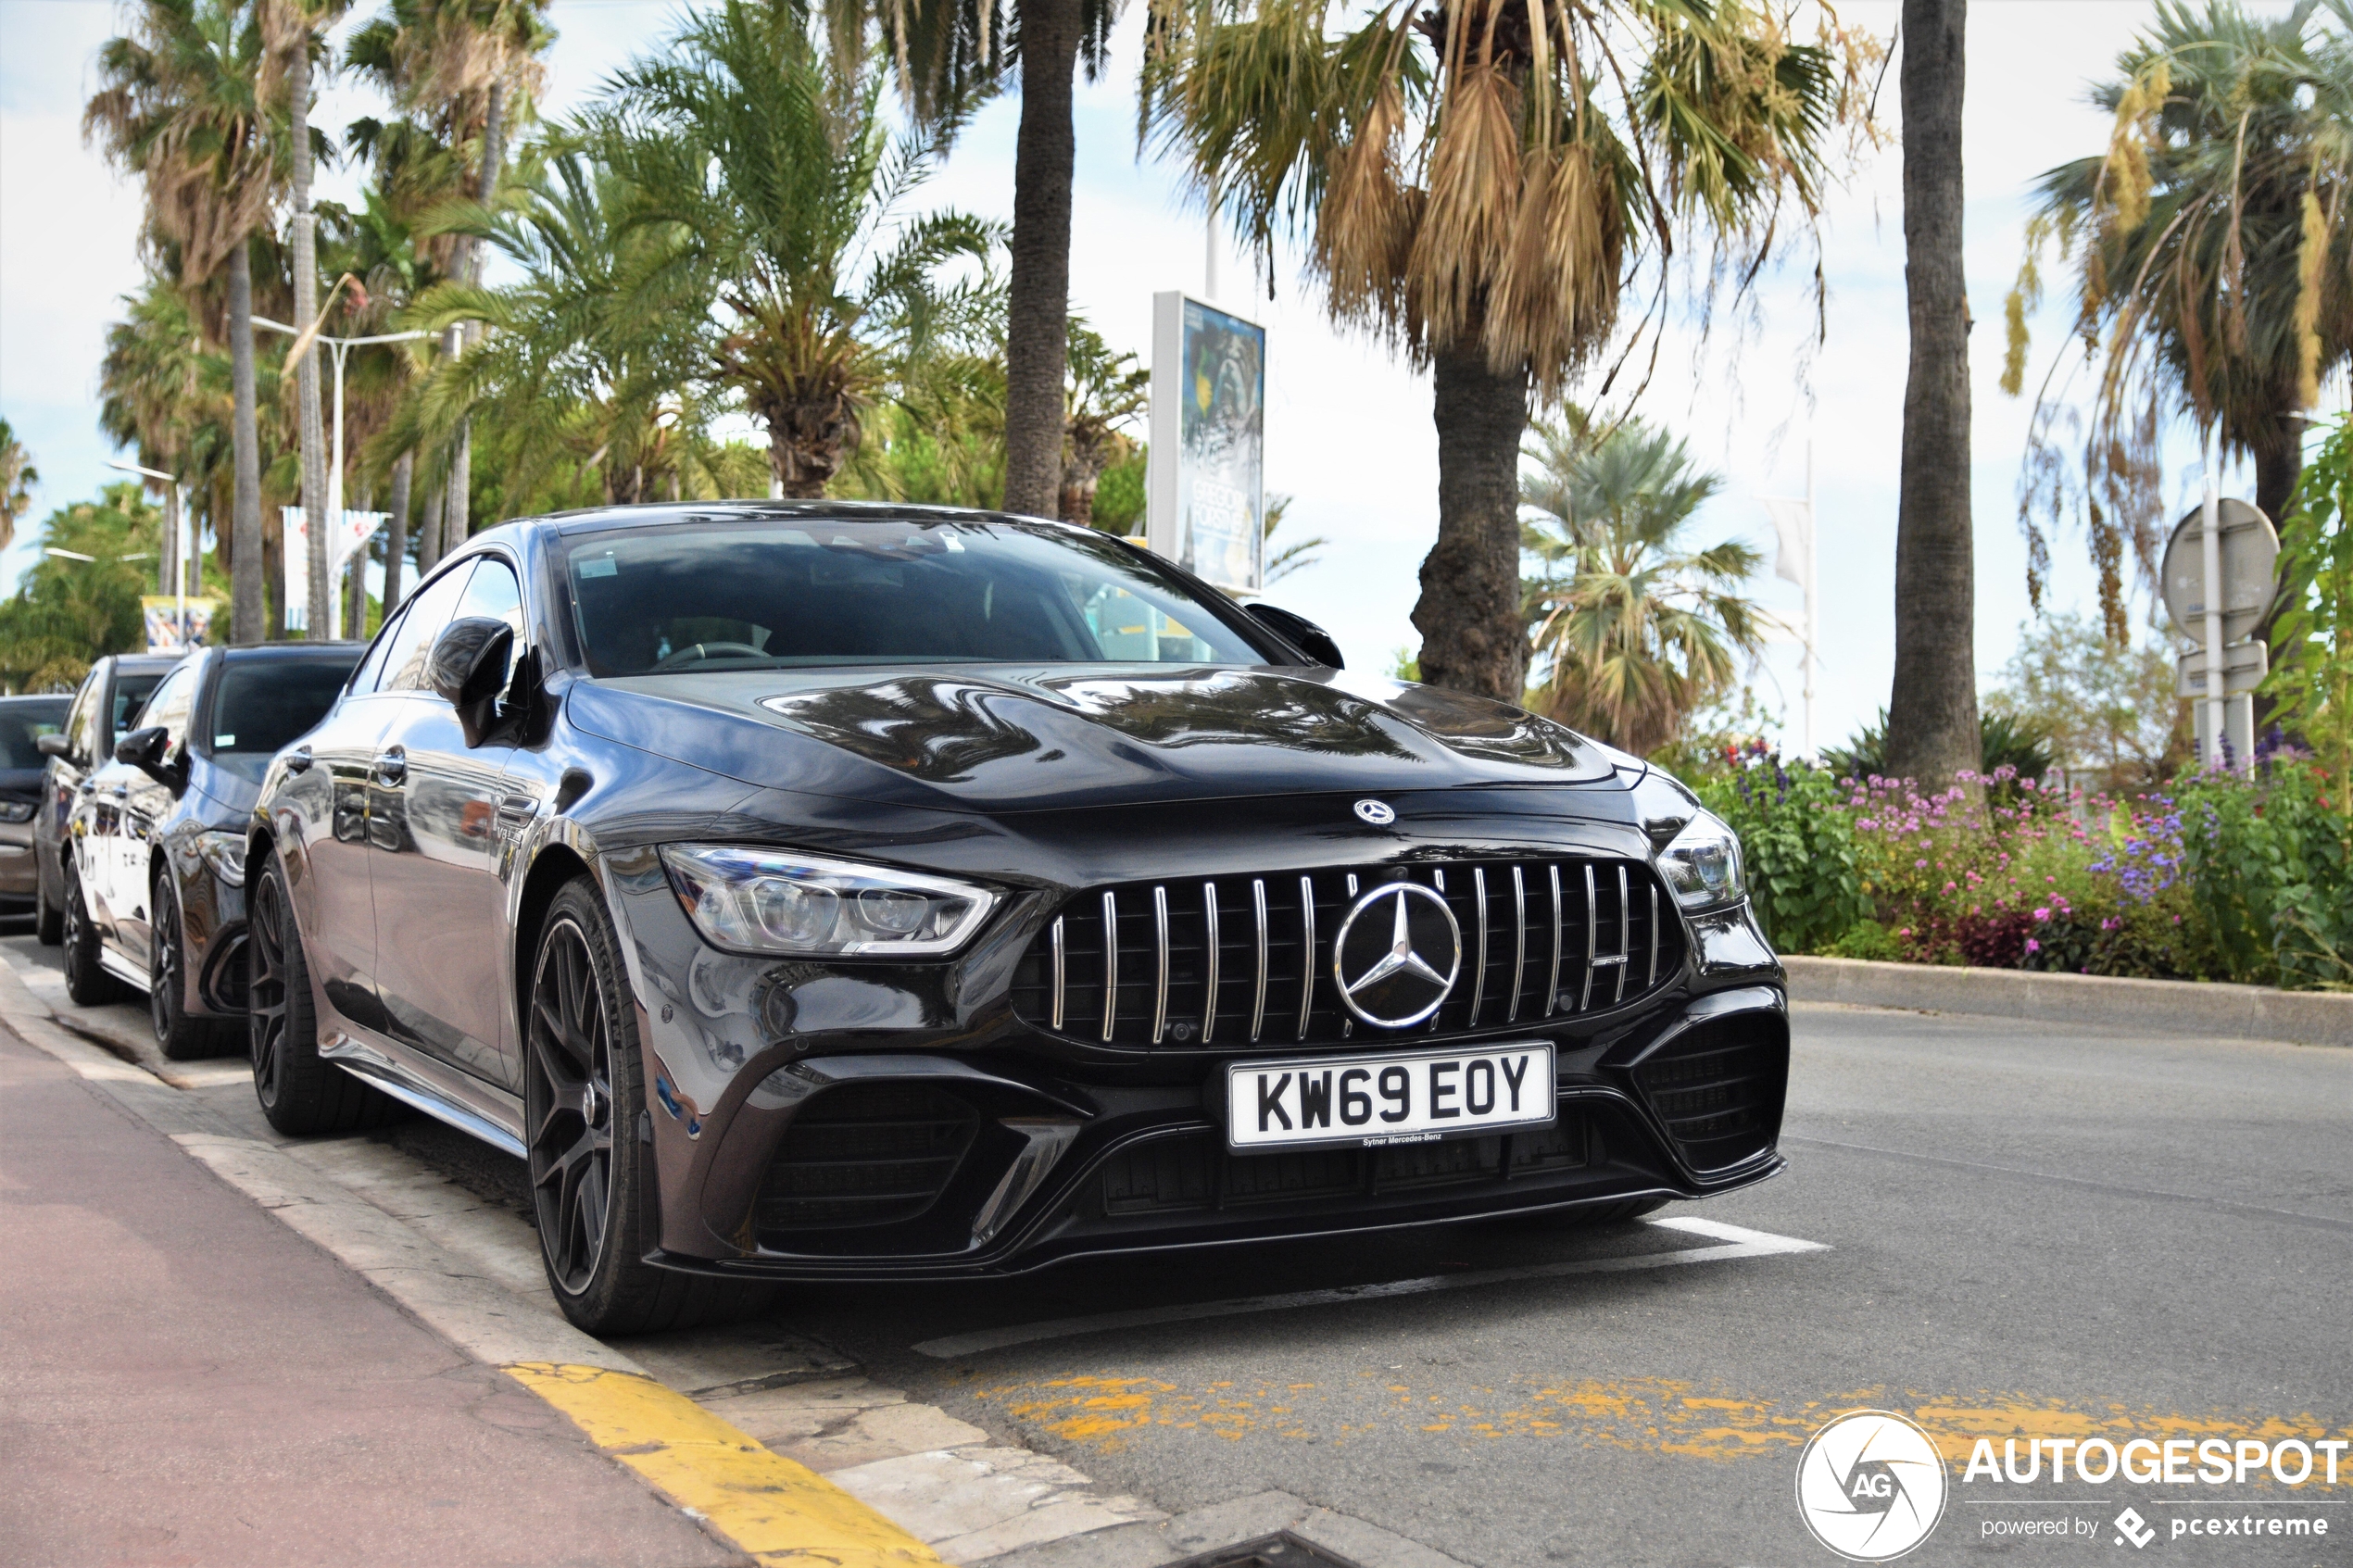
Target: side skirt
(440,1091)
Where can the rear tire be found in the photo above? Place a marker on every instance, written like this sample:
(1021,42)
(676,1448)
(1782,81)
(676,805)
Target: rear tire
(86,983)
(180,1035)
(48,921)
(301,1092)
(584,1093)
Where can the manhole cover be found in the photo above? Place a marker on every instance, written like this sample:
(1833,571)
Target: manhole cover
(1281,1550)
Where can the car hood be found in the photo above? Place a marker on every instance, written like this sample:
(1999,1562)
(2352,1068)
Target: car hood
(1010,739)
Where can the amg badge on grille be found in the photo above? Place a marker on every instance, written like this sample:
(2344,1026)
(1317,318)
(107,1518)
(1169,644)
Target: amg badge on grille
(1397,954)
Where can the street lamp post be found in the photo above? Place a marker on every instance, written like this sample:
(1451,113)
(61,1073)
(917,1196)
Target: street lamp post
(341,346)
(180,546)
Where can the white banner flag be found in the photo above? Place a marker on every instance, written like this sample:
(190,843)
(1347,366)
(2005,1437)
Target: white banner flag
(342,542)
(1793,529)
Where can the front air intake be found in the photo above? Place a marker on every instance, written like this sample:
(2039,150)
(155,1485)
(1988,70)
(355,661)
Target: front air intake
(1718,1088)
(866,1154)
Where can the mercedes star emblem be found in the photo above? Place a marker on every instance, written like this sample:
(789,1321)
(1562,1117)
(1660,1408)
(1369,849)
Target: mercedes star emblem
(1378,812)
(1395,964)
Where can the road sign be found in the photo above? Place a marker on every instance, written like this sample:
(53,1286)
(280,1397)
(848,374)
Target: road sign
(2244,666)
(2250,562)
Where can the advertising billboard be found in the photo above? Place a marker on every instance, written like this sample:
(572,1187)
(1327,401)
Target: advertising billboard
(1204,484)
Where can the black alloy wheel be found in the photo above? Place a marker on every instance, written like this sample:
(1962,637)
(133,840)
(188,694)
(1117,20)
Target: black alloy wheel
(87,982)
(571,1122)
(300,1091)
(591,1172)
(180,1035)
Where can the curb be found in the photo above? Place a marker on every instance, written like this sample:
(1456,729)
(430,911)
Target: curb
(2169,1007)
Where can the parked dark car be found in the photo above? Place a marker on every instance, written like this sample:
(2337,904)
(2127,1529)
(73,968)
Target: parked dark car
(824,892)
(155,889)
(23,720)
(103,704)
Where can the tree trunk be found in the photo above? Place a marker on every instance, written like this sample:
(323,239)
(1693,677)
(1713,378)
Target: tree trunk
(456,521)
(1038,299)
(316,588)
(1468,614)
(245,606)
(429,530)
(1931,712)
(2279,462)
(404,476)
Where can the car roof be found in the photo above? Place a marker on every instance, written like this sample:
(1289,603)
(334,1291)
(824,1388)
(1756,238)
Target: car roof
(655,513)
(283,653)
(145,663)
(66,697)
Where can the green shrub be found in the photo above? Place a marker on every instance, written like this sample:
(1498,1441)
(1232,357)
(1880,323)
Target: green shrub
(2270,867)
(1799,844)
(1868,939)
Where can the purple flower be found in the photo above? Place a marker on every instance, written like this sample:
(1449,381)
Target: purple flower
(2032,945)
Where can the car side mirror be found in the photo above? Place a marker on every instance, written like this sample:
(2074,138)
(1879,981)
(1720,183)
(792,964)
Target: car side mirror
(1300,632)
(150,751)
(468,669)
(52,745)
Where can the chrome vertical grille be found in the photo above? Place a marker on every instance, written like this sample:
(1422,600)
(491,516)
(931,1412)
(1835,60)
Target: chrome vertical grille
(1185,963)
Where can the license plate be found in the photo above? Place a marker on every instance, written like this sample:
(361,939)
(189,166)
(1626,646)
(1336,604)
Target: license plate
(1371,1101)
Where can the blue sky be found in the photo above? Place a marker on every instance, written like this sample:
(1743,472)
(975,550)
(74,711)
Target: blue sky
(1349,429)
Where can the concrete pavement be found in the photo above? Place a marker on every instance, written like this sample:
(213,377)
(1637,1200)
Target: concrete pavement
(188,1381)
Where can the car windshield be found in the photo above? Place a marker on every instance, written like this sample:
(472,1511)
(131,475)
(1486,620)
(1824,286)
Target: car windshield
(265,703)
(23,723)
(763,596)
(130,693)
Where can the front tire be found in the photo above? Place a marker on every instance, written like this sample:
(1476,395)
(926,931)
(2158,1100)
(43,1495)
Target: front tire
(583,1095)
(180,1035)
(87,982)
(301,1092)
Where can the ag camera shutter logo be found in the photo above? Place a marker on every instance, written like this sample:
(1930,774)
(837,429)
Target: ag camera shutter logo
(1871,1486)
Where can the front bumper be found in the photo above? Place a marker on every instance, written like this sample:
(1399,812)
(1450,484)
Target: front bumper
(817,1122)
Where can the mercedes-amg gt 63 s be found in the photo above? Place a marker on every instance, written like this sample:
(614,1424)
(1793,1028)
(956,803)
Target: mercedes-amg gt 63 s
(828,892)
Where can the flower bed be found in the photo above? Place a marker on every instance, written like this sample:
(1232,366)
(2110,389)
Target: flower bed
(2223,878)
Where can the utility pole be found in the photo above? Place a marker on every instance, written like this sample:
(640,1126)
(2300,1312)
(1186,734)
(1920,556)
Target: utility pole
(174,549)
(306,300)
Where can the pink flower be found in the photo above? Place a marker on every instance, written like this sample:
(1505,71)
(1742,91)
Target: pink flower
(1949,887)
(2032,945)
(2043,915)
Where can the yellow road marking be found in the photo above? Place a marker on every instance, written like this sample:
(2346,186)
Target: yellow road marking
(782,1513)
(1642,1414)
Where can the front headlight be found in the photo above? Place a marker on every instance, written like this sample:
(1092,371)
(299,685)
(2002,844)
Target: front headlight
(17,810)
(225,853)
(1701,865)
(750,900)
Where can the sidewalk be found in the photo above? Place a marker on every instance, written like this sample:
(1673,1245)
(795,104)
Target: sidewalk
(159,1405)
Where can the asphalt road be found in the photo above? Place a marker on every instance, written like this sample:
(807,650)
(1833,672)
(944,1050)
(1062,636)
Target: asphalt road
(2016,1232)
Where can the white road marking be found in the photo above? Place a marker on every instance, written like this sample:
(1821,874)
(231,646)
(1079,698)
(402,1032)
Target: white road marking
(1735,1241)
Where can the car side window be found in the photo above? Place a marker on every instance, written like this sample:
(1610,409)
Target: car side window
(168,707)
(78,722)
(494,594)
(428,613)
(371,669)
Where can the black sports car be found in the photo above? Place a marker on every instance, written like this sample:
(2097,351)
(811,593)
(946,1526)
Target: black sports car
(155,869)
(819,891)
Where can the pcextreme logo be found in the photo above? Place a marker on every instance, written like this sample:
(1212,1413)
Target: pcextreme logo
(1871,1486)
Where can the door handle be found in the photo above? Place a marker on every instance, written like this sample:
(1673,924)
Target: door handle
(516,807)
(391,766)
(298,760)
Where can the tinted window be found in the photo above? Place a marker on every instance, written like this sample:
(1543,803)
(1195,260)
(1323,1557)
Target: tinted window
(169,704)
(760,596)
(131,693)
(78,738)
(413,639)
(493,594)
(266,703)
(372,669)
(23,723)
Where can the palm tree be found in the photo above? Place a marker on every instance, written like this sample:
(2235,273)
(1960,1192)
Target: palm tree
(1931,723)
(1638,630)
(18,476)
(1107,391)
(1295,556)
(466,70)
(1480,189)
(761,165)
(185,105)
(2208,251)
(950,54)
(585,401)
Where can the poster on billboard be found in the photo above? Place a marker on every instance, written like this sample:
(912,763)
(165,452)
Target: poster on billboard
(174,624)
(1204,480)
